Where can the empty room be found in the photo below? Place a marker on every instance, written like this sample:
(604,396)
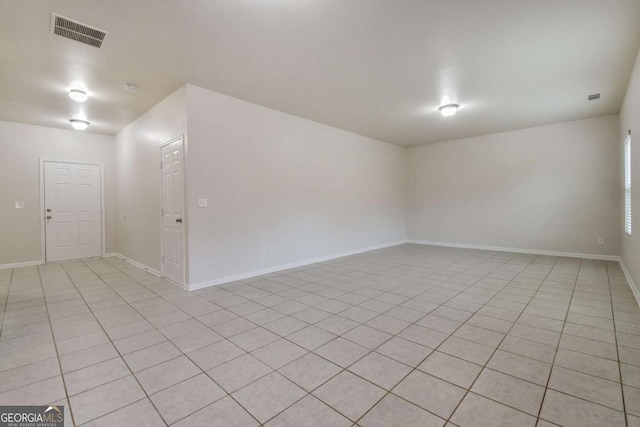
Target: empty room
(320,213)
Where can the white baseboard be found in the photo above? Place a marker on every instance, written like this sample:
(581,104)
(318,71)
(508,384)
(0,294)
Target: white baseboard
(134,263)
(277,268)
(519,250)
(20,264)
(632,284)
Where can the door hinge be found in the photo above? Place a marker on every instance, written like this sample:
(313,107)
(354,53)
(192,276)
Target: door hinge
(160,164)
(162,259)
(161,211)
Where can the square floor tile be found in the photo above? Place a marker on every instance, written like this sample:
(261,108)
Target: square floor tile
(395,412)
(350,395)
(99,401)
(521,367)
(380,370)
(337,325)
(430,393)
(592,365)
(593,389)
(215,354)
(195,340)
(279,353)
(138,342)
(309,412)
(222,413)
(87,357)
(388,324)
(166,374)
(95,375)
(439,324)
(29,374)
(567,410)
(404,351)
(511,391)
(238,372)
(187,397)
(140,413)
(285,326)
(268,396)
(467,350)
(49,390)
(451,369)
(479,411)
(309,371)
(342,352)
(233,327)
(151,356)
(531,349)
(311,337)
(254,338)
(423,336)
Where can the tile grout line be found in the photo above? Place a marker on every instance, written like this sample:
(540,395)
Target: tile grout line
(372,351)
(6,302)
(553,362)
(110,341)
(615,337)
(64,382)
(324,281)
(468,390)
(183,354)
(435,349)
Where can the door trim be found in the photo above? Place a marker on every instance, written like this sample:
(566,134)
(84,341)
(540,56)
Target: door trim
(103,237)
(185,216)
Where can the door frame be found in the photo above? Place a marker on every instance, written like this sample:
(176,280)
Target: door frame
(103,236)
(185,222)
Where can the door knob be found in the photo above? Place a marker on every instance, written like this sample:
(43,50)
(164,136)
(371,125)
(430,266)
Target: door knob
(48,216)
(49,210)
(179,220)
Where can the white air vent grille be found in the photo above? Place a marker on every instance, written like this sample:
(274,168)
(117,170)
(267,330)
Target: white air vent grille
(73,30)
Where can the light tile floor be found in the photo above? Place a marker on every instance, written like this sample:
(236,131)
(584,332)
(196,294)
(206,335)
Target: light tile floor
(406,336)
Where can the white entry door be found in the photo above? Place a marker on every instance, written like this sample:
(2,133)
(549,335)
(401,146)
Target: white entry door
(172,211)
(72,210)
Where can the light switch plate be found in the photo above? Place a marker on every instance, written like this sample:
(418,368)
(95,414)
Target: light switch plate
(19,205)
(202,203)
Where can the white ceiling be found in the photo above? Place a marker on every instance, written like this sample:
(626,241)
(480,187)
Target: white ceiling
(375,67)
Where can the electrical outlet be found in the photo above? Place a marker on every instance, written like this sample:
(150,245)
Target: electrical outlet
(573,238)
(203,203)
(19,205)
(601,240)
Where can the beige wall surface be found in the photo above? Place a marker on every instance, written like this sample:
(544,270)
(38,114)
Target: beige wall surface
(282,189)
(529,189)
(138,177)
(21,148)
(630,120)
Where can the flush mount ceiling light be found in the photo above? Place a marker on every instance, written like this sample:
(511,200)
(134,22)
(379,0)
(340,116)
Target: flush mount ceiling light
(78,95)
(131,87)
(449,109)
(79,124)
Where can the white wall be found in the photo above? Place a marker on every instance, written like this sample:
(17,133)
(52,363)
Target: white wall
(529,189)
(630,120)
(283,189)
(21,148)
(138,177)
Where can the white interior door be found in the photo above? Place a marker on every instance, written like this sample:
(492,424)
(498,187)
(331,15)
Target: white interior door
(172,211)
(73,211)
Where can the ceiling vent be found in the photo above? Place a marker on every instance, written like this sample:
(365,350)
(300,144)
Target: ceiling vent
(74,30)
(593,97)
